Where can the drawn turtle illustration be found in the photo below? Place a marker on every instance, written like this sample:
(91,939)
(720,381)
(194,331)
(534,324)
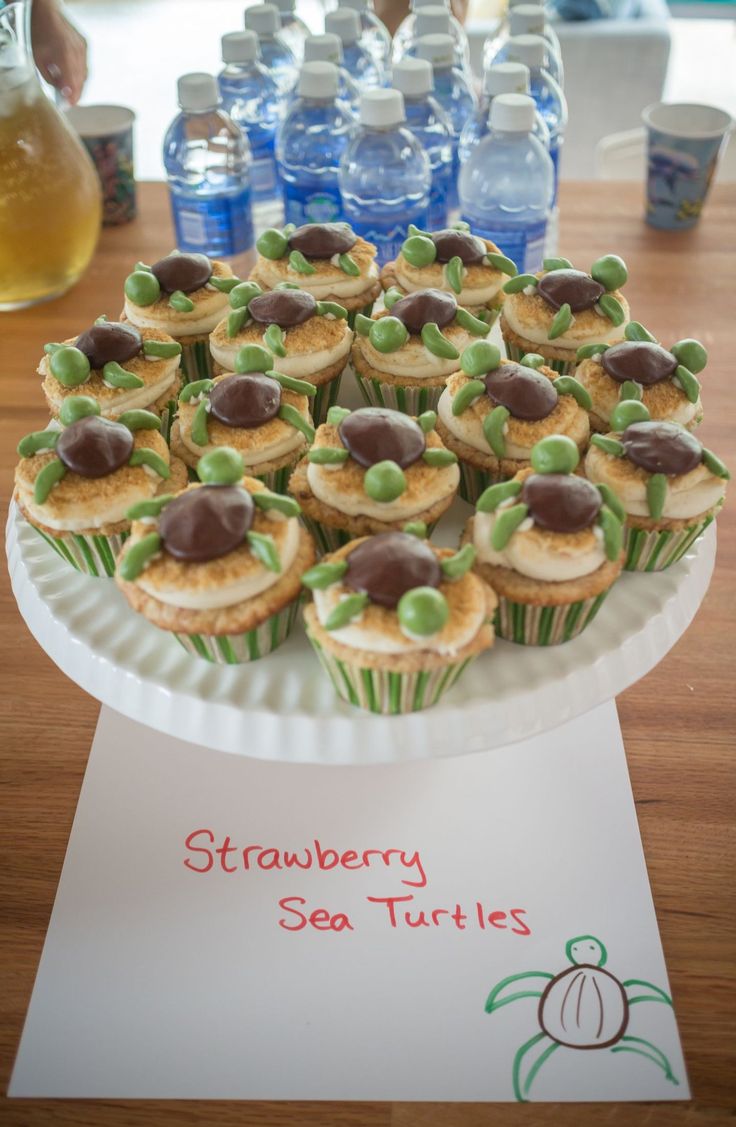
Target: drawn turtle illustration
(583,1007)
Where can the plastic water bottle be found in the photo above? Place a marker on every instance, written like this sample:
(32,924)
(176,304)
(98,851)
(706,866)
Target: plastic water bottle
(502,78)
(327,48)
(294,31)
(452,90)
(429,123)
(207,162)
(276,54)
(375,35)
(531,19)
(255,103)
(345,24)
(500,34)
(309,147)
(435,20)
(506,183)
(406,32)
(550,101)
(384,174)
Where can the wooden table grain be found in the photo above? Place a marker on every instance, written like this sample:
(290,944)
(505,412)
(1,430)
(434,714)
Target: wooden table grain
(678,723)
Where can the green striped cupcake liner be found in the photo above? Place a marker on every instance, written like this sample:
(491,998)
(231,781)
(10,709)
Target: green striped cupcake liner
(236,649)
(329,539)
(168,414)
(474,481)
(276,480)
(379,690)
(544,626)
(325,398)
(353,313)
(92,555)
(562,367)
(654,551)
(410,400)
(196,361)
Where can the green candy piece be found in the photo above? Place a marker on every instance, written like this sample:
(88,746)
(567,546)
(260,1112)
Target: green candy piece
(327,455)
(180,302)
(295,419)
(335,415)
(140,420)
(454,567)
(288,230)
(116,376)
(419,250)
(549,264)
(688,382)
(274,338)
(561,322)
(235,321)
(502,263)
(480,357)
(287,286)
(223,466)
(348,265)
(253,358)
(434,342)
(630,389)
(47,478)
(713,463)
(520,282)
(494,495)
(610,271)
(608,445)
(427,421)
(242,294)
(346,610)
(423,611)
(611,500)
(461,225)
(656,495)
(224,285)
(636,331)
(391,296)
(101,320)
(388,334)
(532,360)
(324,575)
(272,244)
(77,407)
(298,262)
(412,229)
(363,324)
(568,385)
(142,288)
(150,508)
(506,524)
(438,458)
(143,266)
(325,308)
(588,351)
(39,441)
(626,412)
(454,273)
(264,549)
(555,454)
(471,324)
(416,528)
(52,347)
(467,394)
(193,390)
(268,501)
(691,354)
(137,556)
(493,425)
(150,459)
(69,366)
(301,387)
(161,349)
(611,308)
(613,534)
(384,481)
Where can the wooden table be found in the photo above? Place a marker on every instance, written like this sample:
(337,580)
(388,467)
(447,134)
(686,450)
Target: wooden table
(678,723)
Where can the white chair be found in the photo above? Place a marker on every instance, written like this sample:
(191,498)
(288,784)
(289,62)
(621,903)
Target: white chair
(622,156)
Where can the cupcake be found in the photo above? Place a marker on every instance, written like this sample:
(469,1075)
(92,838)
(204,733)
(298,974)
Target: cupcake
(669,487)
(373,470)
(640,368)
(328,260)
(560,310)
(549,543)
(456,261)
(402,358)
(184,295)
(494,411)
(123,368)
(262,414)
(395,621)
(308,339)
(75,482)
(219,565)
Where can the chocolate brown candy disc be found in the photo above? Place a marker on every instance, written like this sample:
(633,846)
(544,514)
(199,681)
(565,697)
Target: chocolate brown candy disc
(246,400)
(185,272)
(642,361)
(376,434)
(282,307)
(110,340)
(570,287)
(322,240)
(206,523)
(662,448)
(94,447)
(459,244)
(390,564)
(527,394)
(561,502)
(421,308)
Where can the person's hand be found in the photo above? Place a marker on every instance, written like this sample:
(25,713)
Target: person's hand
(59,50)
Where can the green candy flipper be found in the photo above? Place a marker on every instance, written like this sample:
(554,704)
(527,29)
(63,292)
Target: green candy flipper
(49,476)
(264,549)
(137,556)
(506,524)
(493,425)
(152,460)
(657,488)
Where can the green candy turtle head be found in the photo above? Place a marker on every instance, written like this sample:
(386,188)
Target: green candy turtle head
(586,949)
(76,407)
(223,466)
(253,358)
(555,454)
(626,412)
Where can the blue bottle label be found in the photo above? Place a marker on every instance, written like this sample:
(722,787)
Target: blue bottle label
(220,226)
(555,157)
(323,205)
(524,246)
(389,237)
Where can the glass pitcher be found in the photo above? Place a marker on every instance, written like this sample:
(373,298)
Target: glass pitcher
(49,190)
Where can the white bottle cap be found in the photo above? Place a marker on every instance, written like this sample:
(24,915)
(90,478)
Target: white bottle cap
(197,91)
(356,5)
(285,7)
(515,3)
(240,47)
(432,20)
(345,23)
(325,48)
(415,4)
(264,19)
(527,19)
(506,78)
(439,50)
(512,113)
(318,80)
(527,49)
(412,77)
(382,107)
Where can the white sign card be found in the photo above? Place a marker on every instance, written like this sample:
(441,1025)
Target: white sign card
(476,928)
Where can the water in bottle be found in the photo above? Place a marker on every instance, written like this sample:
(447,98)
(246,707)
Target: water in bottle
(345,24)
(255,103)
(501,78)
(294,31)
(453,91)
(309,147)
(530,19)
(406,32)
(429,123)
(506,184)
(327,48)
(550,101)
(207,162)
(276,55)
(434,19)
(375,35)
(385,175)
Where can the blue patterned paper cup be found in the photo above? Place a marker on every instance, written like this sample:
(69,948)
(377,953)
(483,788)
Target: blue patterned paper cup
(107,134)
(684,141)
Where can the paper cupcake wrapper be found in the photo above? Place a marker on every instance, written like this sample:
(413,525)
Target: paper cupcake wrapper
(654,551)
(325,398)
(236,649)
(92,555)
(276,480)
(353,313)
(562,367)
(329,539)
(410,400)
(196,361)
(544,626)
(379,690)
(474,481)
(168,414)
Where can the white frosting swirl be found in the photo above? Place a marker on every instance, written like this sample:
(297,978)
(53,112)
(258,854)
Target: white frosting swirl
(202,319)
(546,558)
(324,483)
(468,428)
(413,359)
(337,285)
(468,296)
(602,330)
(301,365)
(689,495)
(292,440)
